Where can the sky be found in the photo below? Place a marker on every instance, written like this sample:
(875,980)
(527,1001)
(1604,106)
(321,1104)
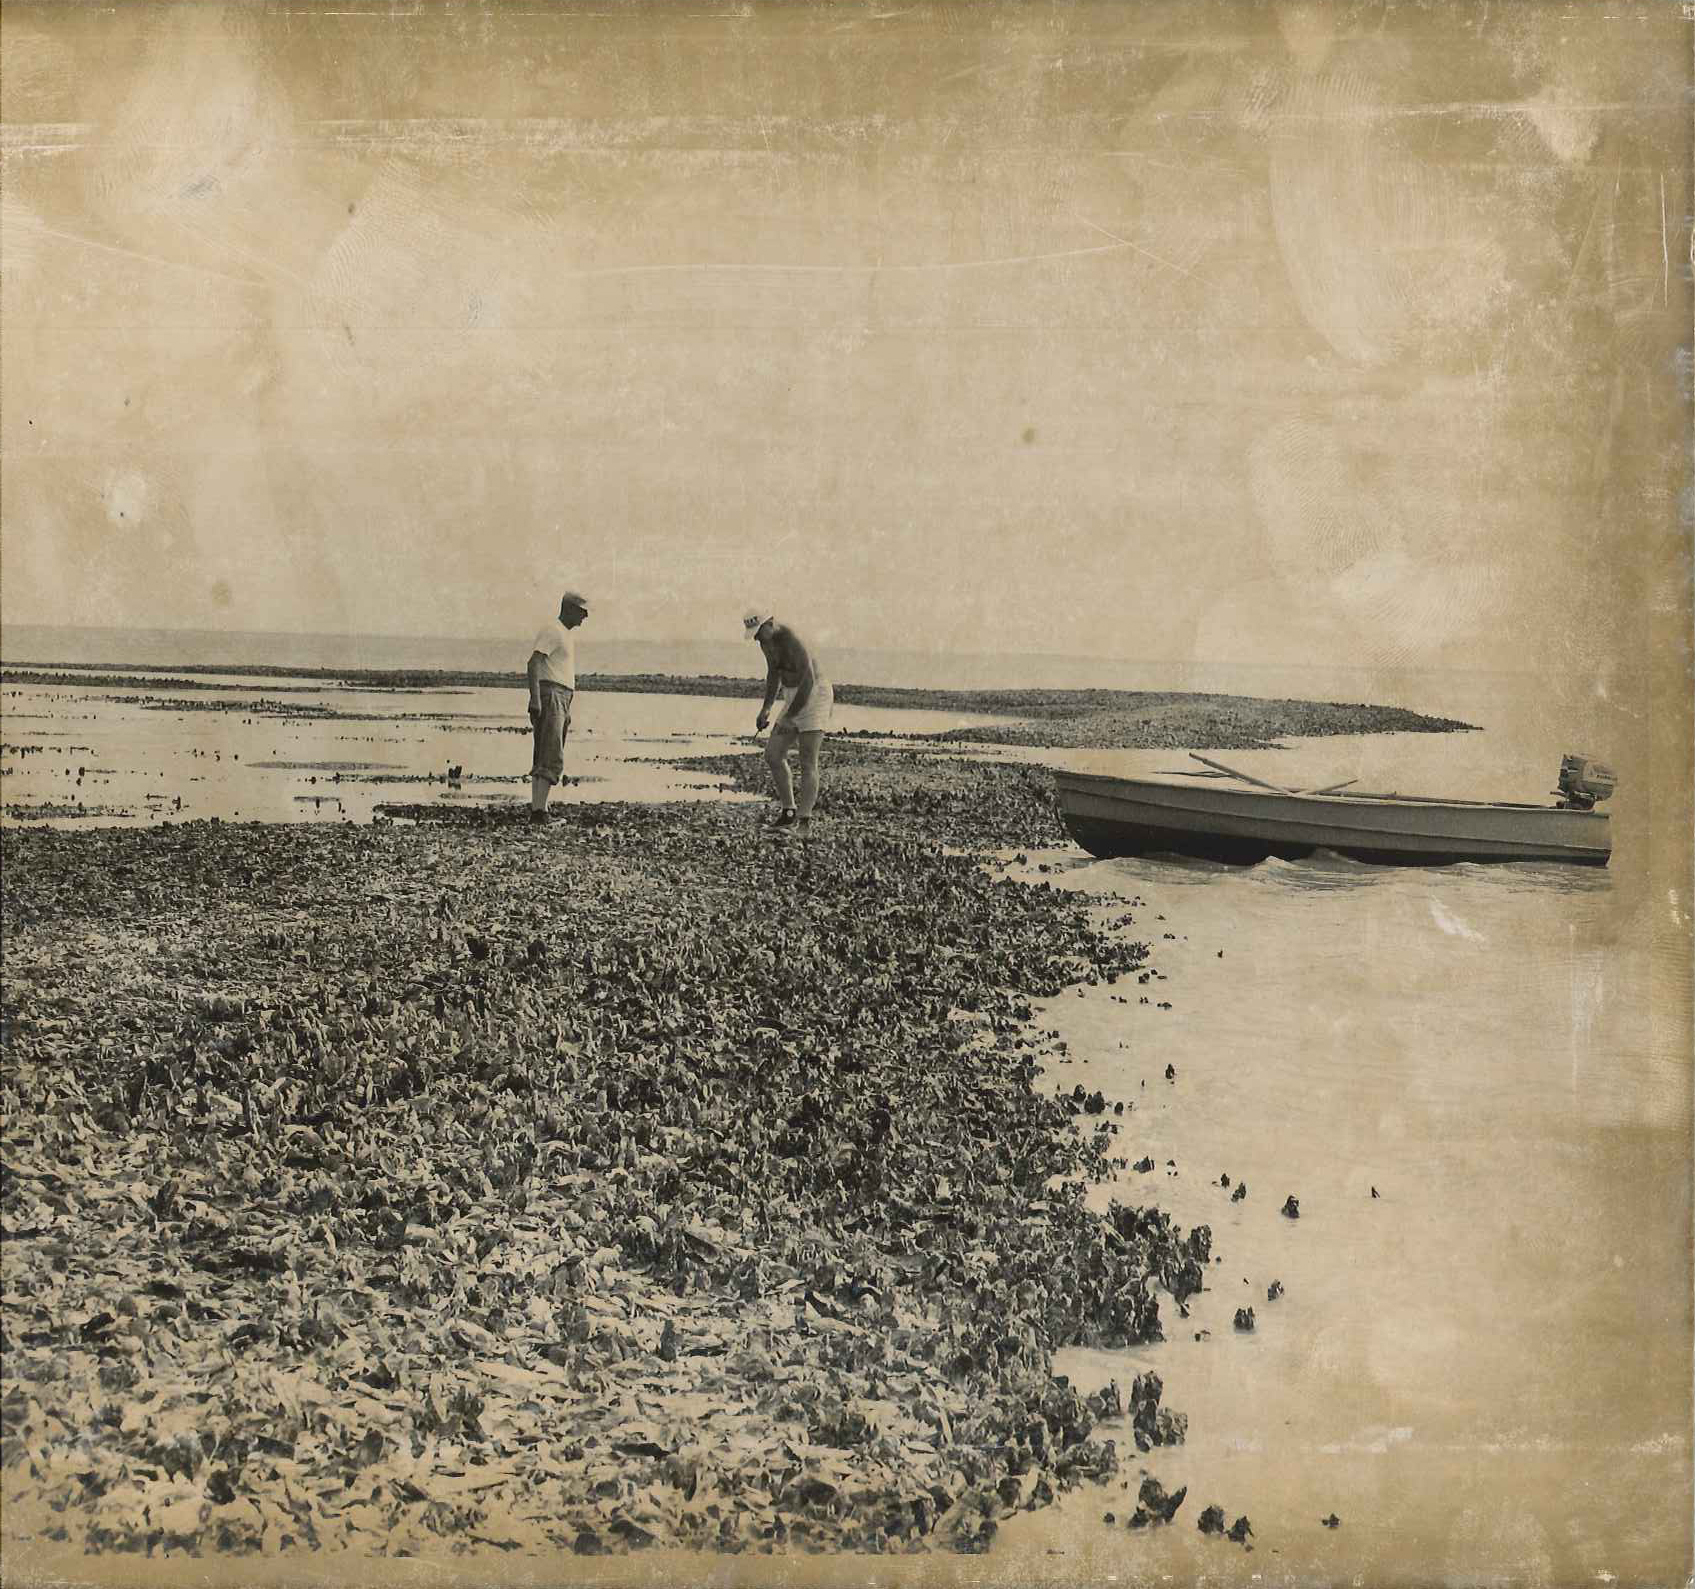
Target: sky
(1200,331)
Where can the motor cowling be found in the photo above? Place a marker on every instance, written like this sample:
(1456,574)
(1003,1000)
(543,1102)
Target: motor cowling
(1584,783)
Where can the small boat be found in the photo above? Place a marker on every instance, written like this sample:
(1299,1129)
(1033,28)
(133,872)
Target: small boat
(1149,816)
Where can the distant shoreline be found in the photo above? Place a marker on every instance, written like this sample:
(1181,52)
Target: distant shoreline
(1037,718)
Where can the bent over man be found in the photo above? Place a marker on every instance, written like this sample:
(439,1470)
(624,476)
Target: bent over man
(809,701)
(552,673)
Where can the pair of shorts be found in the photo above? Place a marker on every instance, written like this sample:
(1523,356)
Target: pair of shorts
(815,715)
(552,726)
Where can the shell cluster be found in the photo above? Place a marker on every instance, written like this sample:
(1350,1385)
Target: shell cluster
(458,1186)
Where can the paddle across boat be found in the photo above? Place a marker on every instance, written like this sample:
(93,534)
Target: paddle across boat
(1204,815)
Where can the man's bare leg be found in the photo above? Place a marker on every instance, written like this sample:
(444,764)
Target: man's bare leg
(811,742)
(538,793)
(777,750)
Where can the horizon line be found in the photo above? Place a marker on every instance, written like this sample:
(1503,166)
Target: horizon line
(730,641)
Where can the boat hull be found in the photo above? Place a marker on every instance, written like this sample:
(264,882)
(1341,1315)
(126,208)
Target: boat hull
(1134,816)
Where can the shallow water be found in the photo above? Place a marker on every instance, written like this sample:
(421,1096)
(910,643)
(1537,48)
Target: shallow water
(1483,1371)
(130,763)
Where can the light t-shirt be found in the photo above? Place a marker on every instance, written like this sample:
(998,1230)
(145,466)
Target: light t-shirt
(559,646)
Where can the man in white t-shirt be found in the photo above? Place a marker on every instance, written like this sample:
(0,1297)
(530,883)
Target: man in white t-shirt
(552,673)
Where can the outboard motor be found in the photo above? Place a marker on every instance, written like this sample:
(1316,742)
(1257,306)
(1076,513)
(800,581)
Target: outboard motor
(1584,783)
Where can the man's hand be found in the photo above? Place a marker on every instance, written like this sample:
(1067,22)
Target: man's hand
(535,714)
(764,718)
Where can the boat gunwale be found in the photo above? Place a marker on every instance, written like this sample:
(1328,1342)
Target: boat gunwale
(1354,839)
(1299,821)
(1360,799)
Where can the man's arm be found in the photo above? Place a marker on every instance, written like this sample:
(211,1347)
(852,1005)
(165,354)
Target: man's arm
(538,660)
(772,684)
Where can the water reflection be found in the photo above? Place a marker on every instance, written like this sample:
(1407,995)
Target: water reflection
(1325,872)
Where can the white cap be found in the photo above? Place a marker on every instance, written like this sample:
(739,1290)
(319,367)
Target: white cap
(755,620)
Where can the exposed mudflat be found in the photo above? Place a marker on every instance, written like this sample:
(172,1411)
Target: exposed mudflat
(1069,719)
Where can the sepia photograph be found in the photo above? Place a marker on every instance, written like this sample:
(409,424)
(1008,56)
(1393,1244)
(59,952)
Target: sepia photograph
(1098,988)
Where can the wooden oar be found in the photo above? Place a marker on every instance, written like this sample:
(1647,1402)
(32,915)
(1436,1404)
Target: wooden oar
(1244,776)
(1331,788)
